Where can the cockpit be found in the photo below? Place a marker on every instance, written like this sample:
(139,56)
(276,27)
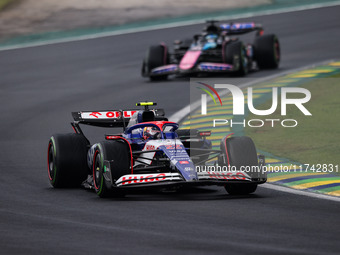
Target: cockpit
(152,130)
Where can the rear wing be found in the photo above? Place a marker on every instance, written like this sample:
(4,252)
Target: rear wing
(241,28)
(110,118)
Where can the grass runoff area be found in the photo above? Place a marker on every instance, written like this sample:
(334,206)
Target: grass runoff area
(316,138)
(4,3)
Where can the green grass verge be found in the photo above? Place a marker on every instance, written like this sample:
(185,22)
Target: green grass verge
(4,3)
(316,139)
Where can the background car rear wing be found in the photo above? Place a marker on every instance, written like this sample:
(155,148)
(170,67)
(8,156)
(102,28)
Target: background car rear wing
(241,28)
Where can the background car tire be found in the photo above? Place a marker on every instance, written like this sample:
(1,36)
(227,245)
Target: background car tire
(155,56)
(118,153)
(67,160)
(233,49)
(239,151)
(267,51)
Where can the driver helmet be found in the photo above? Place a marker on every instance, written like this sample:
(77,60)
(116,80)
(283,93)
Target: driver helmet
(151,133)
(211,37)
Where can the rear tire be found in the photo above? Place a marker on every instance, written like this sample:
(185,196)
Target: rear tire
(67,160)
(239,152)
(117,152)
(155,56)
(267,51)
(237,49)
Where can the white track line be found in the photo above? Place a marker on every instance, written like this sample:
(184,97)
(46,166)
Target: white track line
(181,114)
(171,25)
(299,192)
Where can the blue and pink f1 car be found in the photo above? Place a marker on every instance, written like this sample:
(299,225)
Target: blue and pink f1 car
(151,152)
(214,51)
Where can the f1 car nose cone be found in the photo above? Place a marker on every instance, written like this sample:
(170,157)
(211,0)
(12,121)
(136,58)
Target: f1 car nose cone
(189,59)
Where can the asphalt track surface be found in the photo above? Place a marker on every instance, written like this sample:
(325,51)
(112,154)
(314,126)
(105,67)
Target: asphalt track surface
(40,86)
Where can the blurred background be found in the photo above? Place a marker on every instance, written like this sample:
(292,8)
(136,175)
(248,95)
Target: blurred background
(24,17)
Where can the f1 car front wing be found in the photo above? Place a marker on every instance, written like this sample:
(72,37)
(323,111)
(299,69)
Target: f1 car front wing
(204,178)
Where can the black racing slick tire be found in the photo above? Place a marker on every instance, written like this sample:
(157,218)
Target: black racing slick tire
(239,152)
(267,51)
(118,153)
(156,56)
(235,51)
(67,160)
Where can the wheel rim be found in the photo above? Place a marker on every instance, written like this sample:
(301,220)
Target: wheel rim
(50,161)
(244,61)
(96,170)
(277,51)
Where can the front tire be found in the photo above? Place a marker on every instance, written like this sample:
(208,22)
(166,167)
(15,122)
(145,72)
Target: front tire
(239,152)
(236,51)
(267,51)
(118,153)
(156,56)
(67,160)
